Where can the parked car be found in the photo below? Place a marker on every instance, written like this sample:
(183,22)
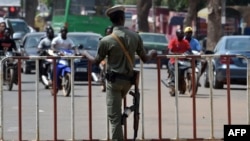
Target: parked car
(234,44)
(28,46)
(18,26)
(89,41)
(156,41)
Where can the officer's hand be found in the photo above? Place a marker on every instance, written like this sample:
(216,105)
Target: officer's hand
(153,53)
(84,53)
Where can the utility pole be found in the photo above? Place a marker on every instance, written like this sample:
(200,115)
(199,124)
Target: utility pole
(223,15)
(153,12)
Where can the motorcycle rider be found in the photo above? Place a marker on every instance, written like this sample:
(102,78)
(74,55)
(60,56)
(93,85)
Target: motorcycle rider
(176,46)
(44,44)
(195,45)
(7,44)
(2,27)
(62,42)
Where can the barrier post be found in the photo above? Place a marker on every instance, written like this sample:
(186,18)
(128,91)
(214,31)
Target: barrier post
(176,96)
(159,99)
(228,90)
(1,100)
(194,95)
(72,99)
(210,75)
(142,98)
(37,101)
(90,99)
(19,101)
(248,90)
(54,98)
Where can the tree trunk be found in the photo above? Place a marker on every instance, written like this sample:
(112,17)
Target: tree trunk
(191,13)
(30,11)
(214,23)
(143,7)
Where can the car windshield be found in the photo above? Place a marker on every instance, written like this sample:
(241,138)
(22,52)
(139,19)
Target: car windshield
(89,42)
(239,44)
(19,26)
(32,41)
(153,38)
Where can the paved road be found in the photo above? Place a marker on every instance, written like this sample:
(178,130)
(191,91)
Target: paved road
(150,111)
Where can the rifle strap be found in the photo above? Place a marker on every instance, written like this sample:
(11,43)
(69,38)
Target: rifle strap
(124,49)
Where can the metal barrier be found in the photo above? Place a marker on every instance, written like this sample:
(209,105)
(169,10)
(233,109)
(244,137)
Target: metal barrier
(142,120)
(209,57)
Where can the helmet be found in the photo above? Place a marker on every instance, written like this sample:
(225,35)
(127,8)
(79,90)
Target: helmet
(64,29)
(188,29)
(7,31)
(179,33)
(49,29)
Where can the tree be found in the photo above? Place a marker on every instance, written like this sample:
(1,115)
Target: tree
(214,23)
(177,5)
(30,11)
(191,12)
(143,7)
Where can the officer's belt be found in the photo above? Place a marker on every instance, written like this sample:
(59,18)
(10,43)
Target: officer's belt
(123,77)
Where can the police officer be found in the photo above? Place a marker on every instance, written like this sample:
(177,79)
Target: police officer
(118,65)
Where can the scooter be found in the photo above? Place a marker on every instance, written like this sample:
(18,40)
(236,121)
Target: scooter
(185,81)
(45,69)
(63,72)
(186,76)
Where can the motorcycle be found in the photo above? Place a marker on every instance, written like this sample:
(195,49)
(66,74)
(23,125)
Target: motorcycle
(10,70)
(63,72)
(185,75)
(45,69)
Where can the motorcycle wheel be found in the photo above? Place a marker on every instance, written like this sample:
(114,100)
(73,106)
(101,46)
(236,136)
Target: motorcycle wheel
(190,84)
(45,81)
(66,88)
(10,79)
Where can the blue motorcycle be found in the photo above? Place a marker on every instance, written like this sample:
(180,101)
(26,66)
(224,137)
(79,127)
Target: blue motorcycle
(63,72)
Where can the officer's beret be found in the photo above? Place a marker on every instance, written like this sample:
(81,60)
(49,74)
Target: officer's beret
(114,9)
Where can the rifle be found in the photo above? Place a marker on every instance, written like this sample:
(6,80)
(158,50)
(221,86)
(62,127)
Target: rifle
(136,104)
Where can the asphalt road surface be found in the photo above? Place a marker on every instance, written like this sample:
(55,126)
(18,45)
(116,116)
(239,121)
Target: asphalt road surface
(149,116)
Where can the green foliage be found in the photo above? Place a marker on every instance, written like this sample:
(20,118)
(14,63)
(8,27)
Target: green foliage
(129,2)
(177,5)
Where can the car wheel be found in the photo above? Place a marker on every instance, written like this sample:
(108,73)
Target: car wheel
(217,84)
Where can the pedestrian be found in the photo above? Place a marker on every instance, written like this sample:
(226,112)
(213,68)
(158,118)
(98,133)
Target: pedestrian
(119,65)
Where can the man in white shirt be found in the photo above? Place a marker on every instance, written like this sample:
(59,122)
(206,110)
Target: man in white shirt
(61,41)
